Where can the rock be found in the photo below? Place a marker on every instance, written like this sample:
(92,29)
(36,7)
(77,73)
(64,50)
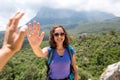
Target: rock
(83,36)
(112,72)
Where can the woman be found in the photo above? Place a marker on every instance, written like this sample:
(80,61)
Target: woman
(60,65)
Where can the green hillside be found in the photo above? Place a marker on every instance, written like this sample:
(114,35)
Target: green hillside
(96,49)
(95,27)
(94,53)
(89,27)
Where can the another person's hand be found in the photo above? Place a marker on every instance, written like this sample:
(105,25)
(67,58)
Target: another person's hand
(33,35)
(13,37)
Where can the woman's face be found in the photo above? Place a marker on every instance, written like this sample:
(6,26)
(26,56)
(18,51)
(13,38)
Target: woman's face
(59,36)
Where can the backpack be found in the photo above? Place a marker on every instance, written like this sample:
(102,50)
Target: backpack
(50,56)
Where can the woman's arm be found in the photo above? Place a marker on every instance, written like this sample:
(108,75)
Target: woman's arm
(5,55)
(13,39)
(35,39)
(75,66)
(40,52)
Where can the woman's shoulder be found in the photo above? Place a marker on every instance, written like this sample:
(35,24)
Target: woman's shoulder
(47,48)
(71,49)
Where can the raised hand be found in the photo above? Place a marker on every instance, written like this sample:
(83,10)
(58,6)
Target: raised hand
(34,37)
(13,37)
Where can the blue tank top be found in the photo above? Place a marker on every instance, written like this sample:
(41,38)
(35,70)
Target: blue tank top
(60,66)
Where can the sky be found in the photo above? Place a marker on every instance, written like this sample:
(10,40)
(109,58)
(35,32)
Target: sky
(31,7)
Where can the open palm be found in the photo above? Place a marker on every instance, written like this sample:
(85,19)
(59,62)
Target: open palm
(34,37)
(13,37)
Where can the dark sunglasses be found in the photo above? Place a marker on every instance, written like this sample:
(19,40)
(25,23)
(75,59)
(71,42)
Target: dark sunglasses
(59,34)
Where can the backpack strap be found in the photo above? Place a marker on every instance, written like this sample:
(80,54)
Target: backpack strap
(71,75)
(50,56)
(69,48)
(49,59)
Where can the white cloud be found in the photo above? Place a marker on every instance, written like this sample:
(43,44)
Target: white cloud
(30,7)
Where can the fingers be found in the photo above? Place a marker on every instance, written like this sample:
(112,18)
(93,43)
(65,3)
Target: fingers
(11,19)
(42,36)
(14,20)
(12,25)
(30,27)
(33,36)
(35,26)
(21,35)
(17,19)
(38,28)
(24,29)
(23,32)
(35,29)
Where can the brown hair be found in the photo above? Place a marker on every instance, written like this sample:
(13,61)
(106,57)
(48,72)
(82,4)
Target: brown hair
(51,38)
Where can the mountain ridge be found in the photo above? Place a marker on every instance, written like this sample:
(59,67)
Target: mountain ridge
(48,16)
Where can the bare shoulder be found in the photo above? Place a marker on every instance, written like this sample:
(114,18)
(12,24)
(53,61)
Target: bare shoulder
(45,50)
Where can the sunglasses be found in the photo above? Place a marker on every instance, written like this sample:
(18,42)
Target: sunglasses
(59,34)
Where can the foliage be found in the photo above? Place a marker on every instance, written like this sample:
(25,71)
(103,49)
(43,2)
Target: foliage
(94,53)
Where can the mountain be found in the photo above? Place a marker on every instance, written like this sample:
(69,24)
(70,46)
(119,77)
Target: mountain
(95,27)
(2,34)
(48,16)
(75,21)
